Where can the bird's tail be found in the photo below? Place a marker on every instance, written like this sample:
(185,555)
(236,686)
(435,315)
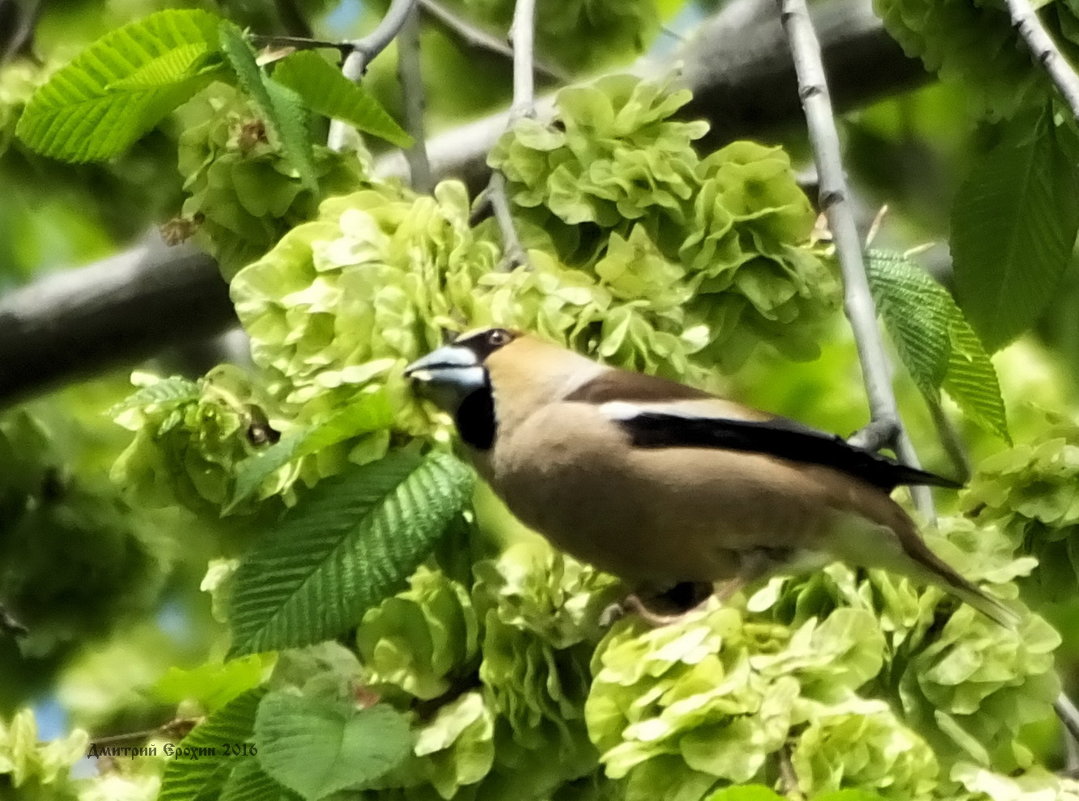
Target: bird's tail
(947,578)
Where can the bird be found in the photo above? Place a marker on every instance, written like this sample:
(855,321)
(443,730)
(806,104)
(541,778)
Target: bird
(662,484)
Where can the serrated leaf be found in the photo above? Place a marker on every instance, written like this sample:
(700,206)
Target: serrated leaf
(282,109)
(368,414)
(121,86)
(291,117)
(317,747)
(349,543)
(201,775)
(174,389)
(249,782)
(326,91)
(746,792)
(916,311)
(972,380)
(1014,224)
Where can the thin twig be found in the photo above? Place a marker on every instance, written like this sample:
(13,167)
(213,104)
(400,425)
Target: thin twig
(788,776)
(480,206)
(363,51)
(302,43)
(410,73)
(1027,23)
(1071,752)
(1068,714)
(524,105)
(876,434)
(474,36)
(177,728)
(522,34)
(834,202)
(10,625)
(513,254)
(950,439)
(24,24)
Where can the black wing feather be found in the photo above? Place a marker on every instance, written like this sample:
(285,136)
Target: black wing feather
(779,437)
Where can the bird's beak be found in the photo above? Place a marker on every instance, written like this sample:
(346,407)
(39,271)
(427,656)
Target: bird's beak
(447,375)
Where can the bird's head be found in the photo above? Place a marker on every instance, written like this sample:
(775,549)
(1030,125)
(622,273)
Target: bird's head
(451,374)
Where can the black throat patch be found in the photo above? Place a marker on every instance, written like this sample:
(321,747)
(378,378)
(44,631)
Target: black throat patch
(475,419)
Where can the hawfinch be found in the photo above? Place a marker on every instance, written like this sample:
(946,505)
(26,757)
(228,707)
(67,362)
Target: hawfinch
(662,484)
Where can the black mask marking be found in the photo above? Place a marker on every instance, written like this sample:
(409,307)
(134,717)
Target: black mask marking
(475,419)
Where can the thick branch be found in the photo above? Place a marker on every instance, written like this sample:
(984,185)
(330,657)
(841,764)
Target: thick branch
(1025,20)
(363,51)
(128,308)
(835,202)
(118,311)
(742,79)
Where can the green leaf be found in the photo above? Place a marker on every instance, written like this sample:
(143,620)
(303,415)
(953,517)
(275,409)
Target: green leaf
(249,782)
(848,795)
(175,389)
(121,86)
(935,340)
(972,380)
(745,792)
(1013,227)
(316,747)
(370,413)
(214,685)
(282,109)
(916,311)
(326,91)
(199,769)
(349,543)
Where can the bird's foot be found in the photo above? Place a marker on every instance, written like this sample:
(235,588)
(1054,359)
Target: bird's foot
(682,601)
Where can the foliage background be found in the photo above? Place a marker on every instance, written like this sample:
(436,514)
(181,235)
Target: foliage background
(142,528)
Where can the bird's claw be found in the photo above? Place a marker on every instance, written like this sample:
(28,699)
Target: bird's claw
(633,604)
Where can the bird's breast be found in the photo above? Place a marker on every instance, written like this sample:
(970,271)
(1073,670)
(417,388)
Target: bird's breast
(662,515)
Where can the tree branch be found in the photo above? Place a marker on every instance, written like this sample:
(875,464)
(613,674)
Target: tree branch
(128,308)
(1025,20)
(741,76)
(20,24)
(522,35)
(118,311)
(474,36)
(301,43)
(1068,714)
(835,203)
(410,74)
(363,51)
(513,254)
(524,105)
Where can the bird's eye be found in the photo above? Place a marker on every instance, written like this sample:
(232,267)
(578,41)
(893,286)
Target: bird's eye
(498,337)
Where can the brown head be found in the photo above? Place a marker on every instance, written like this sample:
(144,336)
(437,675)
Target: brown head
(495,377)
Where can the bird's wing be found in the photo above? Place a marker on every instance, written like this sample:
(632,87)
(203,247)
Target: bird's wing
(651,426)
(657,413)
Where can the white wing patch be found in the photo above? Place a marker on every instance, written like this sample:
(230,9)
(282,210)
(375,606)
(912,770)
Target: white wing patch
(705,409)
